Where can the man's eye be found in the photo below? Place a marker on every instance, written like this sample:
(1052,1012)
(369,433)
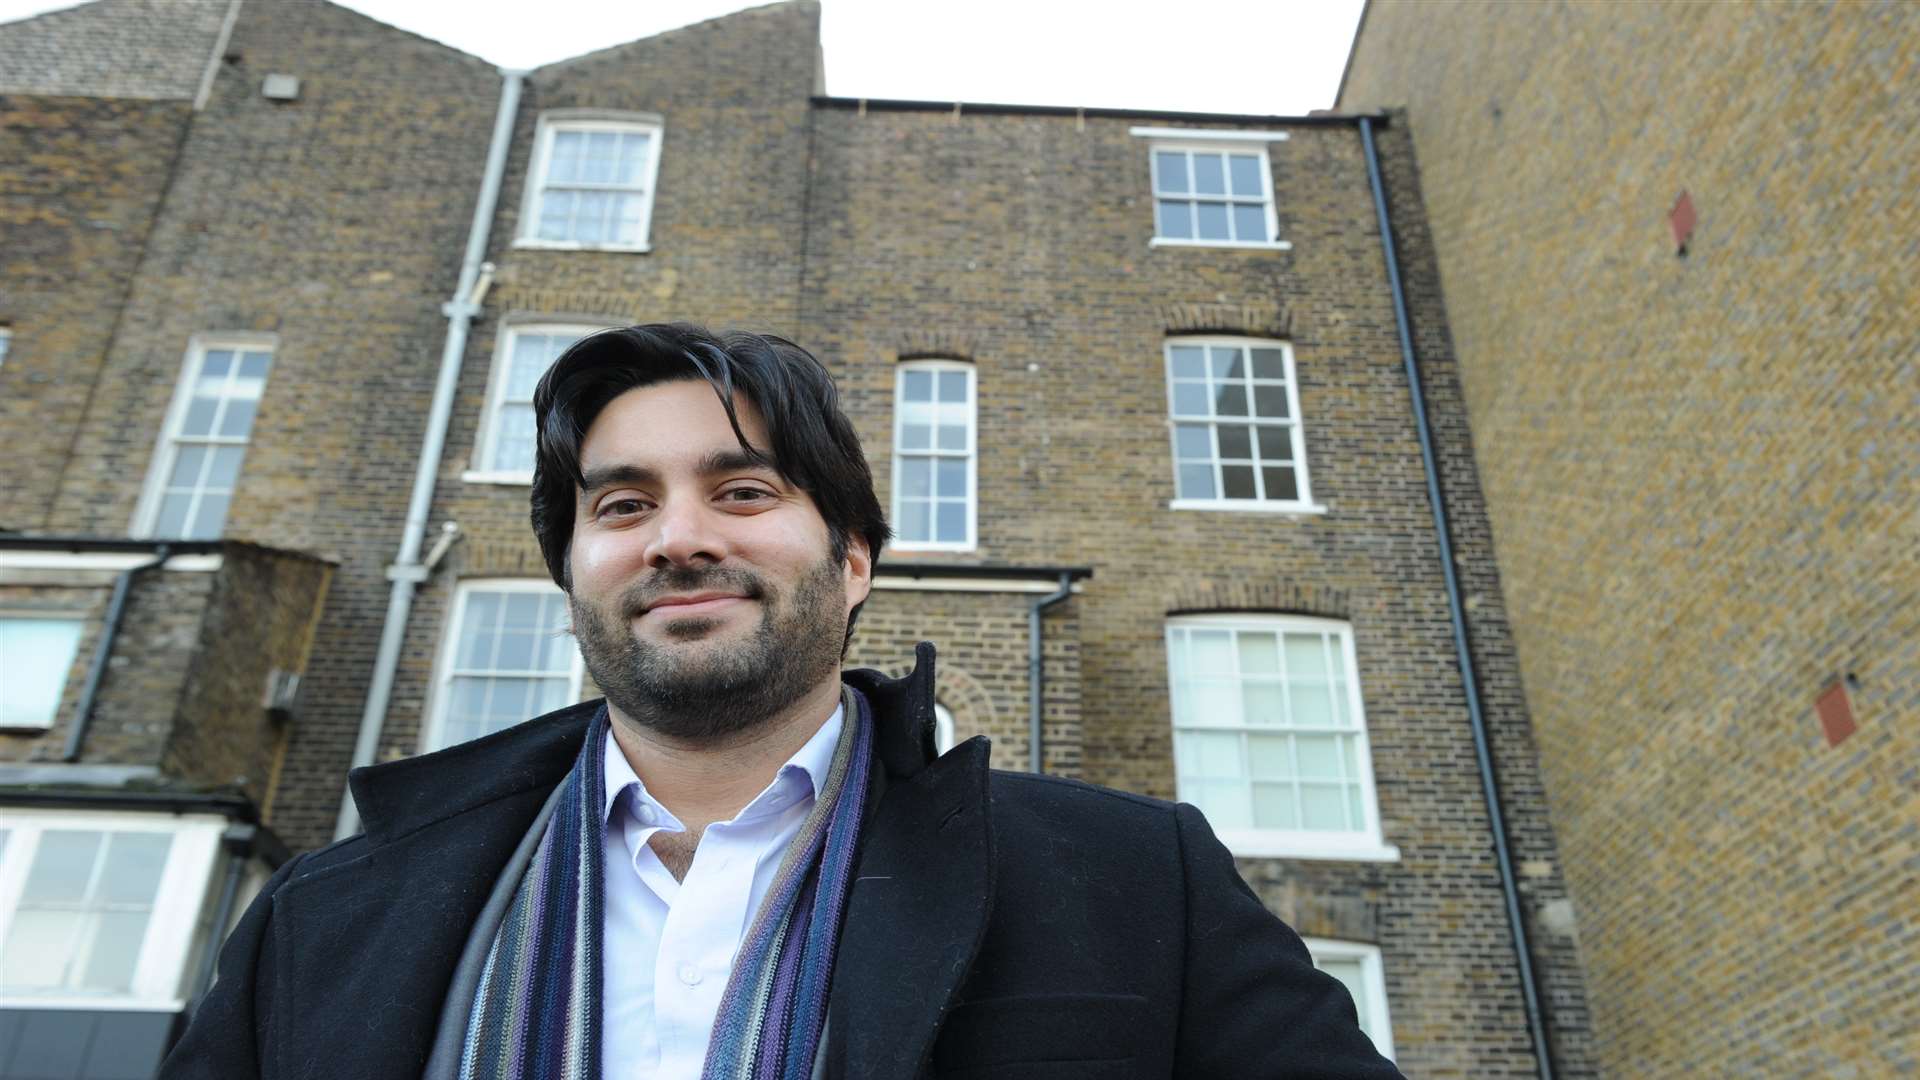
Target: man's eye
(745,494)
(619,507)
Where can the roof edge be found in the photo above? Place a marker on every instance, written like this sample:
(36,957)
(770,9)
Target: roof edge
(1328,119)
(1353,49)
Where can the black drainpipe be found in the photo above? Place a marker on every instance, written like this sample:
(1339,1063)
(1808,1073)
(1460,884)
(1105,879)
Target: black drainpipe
(1529,990)
(97,669)
(1036,669)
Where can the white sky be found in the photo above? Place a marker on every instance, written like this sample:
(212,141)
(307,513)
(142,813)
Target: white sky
(1280,57)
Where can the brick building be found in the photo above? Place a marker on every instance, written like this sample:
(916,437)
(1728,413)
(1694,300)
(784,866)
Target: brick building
(1678,248)
(1139,390)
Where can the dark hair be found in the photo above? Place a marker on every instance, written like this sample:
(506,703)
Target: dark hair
(814,447)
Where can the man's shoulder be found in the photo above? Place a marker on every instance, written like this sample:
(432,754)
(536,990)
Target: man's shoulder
(1043,789)
(1059,807)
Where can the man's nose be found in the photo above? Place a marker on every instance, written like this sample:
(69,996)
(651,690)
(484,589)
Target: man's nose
(686,533)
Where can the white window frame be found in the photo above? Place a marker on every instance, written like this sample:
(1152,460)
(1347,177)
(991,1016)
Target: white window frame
(1302,505)
(166,447)
(971,454)
(49,615)
(6,344)
(433,732)
(489,430)
(1189,140)
(159,976)
(557,120)
(1365,844)
(1373,980)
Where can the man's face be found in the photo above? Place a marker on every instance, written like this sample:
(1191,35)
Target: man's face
(705,597)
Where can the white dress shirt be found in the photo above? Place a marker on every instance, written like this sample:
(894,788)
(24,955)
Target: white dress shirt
(669,945)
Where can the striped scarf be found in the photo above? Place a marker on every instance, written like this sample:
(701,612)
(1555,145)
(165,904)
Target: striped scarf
(536,1011)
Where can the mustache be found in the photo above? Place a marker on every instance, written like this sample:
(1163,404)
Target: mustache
(686,579)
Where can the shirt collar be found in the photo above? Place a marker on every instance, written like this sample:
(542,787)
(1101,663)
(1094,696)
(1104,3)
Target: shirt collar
(809,764)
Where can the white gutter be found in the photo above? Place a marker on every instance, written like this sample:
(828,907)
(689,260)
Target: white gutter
(407,570)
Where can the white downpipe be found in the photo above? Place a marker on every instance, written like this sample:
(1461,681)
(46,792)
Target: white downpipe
(407,570)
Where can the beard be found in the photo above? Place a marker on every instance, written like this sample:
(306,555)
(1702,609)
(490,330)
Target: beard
(707,693)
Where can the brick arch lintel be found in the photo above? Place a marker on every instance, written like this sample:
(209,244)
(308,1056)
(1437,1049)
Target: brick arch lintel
(1271,596)
(925,344)
(1259,319)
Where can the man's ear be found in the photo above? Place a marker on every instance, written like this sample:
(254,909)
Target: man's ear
(857,570)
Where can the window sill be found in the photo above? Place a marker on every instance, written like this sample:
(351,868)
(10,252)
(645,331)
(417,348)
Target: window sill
(1247,506)
(565,245)
(1255,844)
(1248,245)
(25,728)
(506,476)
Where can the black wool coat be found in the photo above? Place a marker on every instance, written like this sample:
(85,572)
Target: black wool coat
(999,925)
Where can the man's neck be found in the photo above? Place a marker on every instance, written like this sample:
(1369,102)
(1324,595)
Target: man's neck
(702,783)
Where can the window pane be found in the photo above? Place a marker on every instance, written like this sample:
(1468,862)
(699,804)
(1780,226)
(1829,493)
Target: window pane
(568,149)
(131,874)
(1170,172)
(1270,759)
(589,217)
(1259,653)
(208,517)
(1274,807)
(1270,400)
(38,949)
(603,156)
(953,437)
(1323,807)
(1189,362)
(1210,652)
(187,467)
(916,477)
(253,373)
(519,629)
(1244,171)
(950,525)
(1230,400)
(1319,756)
(237,421)
(1276,442)
(1282,485)
(172,522)
(214,370)
(1192,441)
(1209,175)
(1236,482)
(952,477)
(1210,221)
(1215,755)
(1235,441)
(114,951)
(916,385)
(916,436)
(1213,701)
(529,358)
(556,210)
(1264,702)
(1228,362)
(477,630)
(1190,399)
(915,520)
(633,159)
(1269,364)
(1250,222)
(1306,656)
(62,866)
(953,386)
(1196,482)
(513,440)
(200,412)
(1174,219)
(223,470)
(35,662)
(626,220)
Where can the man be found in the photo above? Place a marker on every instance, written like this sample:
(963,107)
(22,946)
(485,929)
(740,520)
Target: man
(745,863)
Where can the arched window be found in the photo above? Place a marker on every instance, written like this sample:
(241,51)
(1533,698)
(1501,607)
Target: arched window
(1237,439)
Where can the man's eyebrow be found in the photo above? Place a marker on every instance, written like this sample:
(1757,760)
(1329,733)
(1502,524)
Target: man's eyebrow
(712,464)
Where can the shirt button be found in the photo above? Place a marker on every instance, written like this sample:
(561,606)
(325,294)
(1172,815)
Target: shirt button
(689,974)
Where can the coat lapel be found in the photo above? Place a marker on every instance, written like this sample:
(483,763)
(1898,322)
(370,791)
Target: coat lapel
(917,911)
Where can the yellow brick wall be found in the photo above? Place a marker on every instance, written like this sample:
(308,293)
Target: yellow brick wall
(1703,474)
